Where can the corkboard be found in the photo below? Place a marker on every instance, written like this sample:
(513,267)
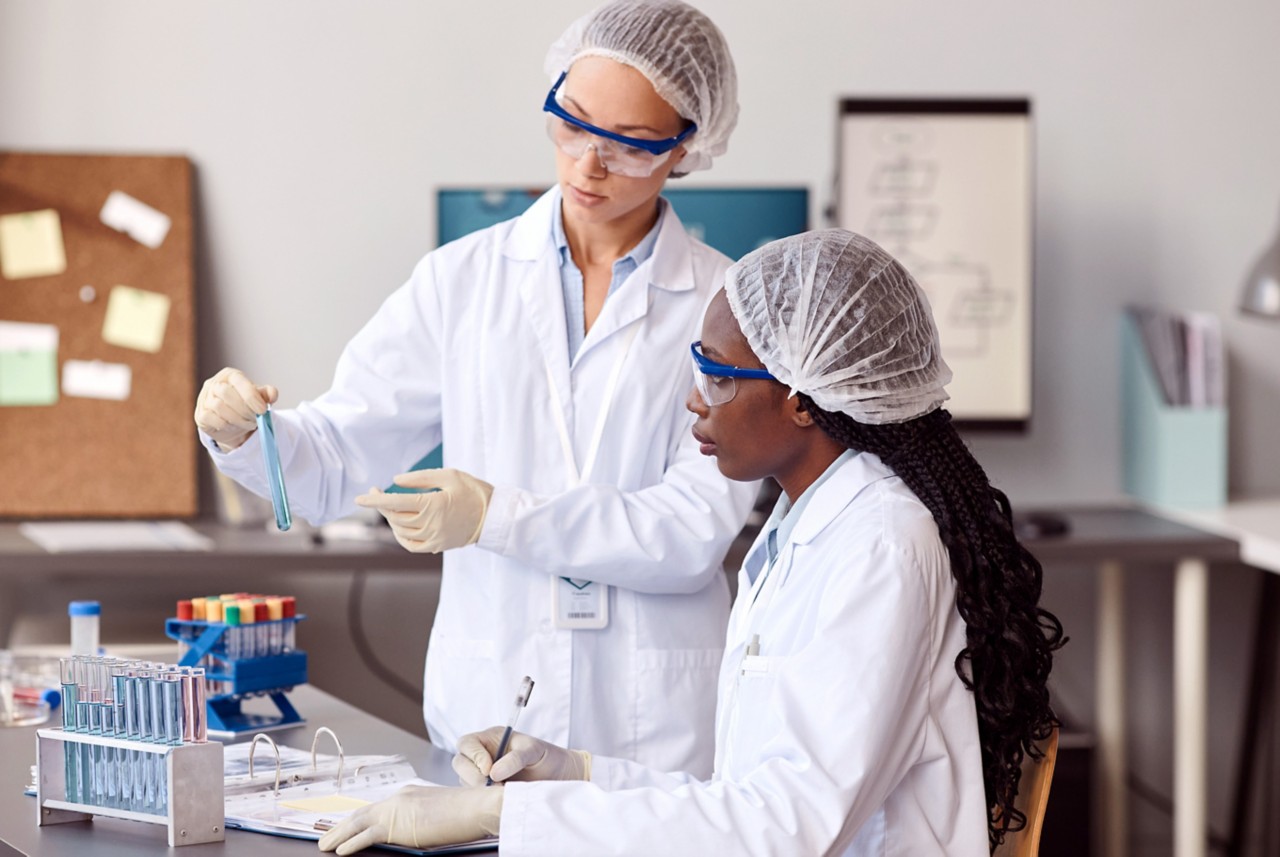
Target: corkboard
(89,457)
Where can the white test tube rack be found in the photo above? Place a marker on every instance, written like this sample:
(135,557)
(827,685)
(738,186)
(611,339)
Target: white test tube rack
(193,790)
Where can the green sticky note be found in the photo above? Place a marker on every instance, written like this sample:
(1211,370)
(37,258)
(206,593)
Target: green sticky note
(28,378)
(136,319)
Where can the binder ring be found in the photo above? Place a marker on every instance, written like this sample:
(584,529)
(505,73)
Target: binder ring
(264,736)
(336,743)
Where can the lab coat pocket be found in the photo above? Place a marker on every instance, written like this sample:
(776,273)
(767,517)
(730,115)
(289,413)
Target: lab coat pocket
(461,675)
(675,707)
(755,712)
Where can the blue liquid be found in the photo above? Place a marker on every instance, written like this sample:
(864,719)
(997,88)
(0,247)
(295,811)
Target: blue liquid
(275,476)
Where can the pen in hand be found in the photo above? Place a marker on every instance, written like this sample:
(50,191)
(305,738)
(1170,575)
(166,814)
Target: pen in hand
(522,699)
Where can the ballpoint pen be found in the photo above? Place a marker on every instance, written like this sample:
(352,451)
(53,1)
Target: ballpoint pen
(522,699)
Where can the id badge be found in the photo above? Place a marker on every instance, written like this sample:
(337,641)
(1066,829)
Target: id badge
(579,604)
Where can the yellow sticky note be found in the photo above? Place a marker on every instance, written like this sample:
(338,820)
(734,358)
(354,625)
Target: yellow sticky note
(136,318)
(327,803)
(31,245)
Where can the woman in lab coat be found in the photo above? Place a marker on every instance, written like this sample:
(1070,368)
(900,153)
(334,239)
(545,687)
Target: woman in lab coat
(886,661)
(584,532)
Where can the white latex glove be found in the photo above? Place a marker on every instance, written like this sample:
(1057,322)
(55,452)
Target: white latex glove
(228,406)
(447,518)
(419,817)
(527,758)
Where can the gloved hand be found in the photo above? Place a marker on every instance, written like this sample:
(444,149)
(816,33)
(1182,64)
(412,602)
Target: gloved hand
(419,817)
(441,520)
(527,758)
(228,405)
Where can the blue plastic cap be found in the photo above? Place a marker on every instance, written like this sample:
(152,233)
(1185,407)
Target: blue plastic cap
(52,696)
(84,608)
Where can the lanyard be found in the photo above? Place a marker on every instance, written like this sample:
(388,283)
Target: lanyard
(580,477)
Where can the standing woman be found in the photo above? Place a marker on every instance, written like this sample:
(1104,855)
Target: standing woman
(583,531)
(886,662)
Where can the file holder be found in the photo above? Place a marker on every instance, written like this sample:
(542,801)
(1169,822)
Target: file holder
(1173,456)
(193,786)
(270,675)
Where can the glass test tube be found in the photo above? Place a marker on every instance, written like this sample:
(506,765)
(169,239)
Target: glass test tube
(262,639)
(133,717)
(155,786)
(107,755)
(231,614)
(275,613)
(248,648)
(289,606)
(185,613)
(117,786)
(67,675)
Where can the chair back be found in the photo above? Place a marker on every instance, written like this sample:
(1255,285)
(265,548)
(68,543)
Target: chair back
(1033,797)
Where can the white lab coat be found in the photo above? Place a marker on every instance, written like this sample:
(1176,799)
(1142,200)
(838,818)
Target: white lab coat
(849,733)
(460,354)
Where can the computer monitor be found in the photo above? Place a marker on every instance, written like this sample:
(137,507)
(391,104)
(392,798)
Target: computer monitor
(945,185)
(733,220)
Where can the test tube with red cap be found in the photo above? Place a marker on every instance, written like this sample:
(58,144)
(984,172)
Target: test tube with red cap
(186,613)
(289,609)
(262,632)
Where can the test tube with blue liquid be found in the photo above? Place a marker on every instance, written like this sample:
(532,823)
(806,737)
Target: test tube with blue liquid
(275,475)
(70,698)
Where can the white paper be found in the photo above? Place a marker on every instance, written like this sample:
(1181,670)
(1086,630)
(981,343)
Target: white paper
(135,218)
(80,536)
(21,336)
(93,379)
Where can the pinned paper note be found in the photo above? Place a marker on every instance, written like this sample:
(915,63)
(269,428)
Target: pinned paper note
(28,364)
(93,379)
(136,319)
(326,803)
(31,245)
(135,218)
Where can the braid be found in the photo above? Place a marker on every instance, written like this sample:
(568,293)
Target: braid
(1010,639)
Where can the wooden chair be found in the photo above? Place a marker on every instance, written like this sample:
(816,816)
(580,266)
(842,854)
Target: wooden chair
(1033,797)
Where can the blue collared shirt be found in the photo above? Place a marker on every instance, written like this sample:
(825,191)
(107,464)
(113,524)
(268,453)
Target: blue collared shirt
(571,281)
(783,520)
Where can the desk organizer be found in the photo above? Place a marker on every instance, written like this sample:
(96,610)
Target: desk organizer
(1173,456)
(242,662)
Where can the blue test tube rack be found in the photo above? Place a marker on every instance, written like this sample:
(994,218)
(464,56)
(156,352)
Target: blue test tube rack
(239,678)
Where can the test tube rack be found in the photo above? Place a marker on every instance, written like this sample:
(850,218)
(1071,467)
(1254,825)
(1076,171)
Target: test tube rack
(240,679)
(193,787)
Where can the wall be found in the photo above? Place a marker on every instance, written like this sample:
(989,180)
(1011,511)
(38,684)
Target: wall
(321,129)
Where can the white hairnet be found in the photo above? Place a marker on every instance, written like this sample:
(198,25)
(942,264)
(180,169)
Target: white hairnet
(681,52)
(833,316)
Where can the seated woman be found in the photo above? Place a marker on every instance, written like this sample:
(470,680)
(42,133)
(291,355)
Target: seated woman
(886,660)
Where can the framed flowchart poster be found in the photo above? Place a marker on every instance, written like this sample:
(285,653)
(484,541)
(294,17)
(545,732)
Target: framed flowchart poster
(946,185)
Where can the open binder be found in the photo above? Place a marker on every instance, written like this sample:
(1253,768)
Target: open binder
(301,795)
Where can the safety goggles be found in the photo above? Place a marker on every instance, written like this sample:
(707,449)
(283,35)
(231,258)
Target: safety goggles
(621,155)
(715,381)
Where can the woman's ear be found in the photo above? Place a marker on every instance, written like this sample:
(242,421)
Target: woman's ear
(798,412)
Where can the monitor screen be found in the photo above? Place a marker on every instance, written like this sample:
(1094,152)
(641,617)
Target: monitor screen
(733,220)
(945,185)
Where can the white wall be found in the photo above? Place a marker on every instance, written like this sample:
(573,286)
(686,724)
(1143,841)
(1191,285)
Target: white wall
(320,131)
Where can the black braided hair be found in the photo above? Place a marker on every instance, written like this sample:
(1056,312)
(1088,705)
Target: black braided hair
(1010,639)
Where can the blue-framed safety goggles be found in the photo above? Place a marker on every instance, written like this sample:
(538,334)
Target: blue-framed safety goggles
(715,381)
(631,156)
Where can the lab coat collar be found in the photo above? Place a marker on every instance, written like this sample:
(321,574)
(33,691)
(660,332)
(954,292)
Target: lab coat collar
(530,236)
(672,263)
(834,495)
